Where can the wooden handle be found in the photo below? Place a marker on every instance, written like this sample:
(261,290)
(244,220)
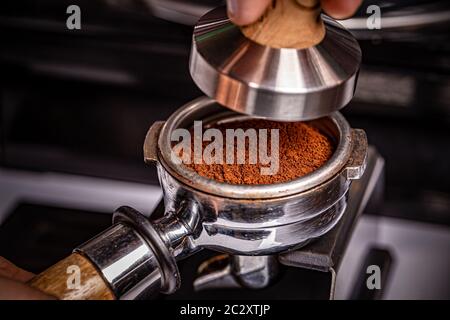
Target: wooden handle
(73,278)
(288,24)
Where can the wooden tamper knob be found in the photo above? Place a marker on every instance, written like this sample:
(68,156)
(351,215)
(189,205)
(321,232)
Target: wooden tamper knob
(288,24)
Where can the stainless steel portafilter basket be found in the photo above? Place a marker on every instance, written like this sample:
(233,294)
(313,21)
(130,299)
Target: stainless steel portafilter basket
(256,219)
(277,83)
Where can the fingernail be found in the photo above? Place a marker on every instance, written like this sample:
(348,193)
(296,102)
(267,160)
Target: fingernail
(232,7)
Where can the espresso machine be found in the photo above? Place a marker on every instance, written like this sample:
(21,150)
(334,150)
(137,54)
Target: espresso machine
(241,238)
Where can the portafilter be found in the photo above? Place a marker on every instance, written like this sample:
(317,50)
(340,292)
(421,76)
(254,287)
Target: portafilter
(137,256)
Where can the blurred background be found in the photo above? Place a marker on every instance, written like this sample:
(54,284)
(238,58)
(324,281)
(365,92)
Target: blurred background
(75,106)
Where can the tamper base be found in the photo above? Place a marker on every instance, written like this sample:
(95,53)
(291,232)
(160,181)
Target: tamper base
(280,84)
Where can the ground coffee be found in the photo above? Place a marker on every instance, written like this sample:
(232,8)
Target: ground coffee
(302,149)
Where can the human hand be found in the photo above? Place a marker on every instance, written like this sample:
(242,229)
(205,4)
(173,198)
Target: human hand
(13,283)
(244,12)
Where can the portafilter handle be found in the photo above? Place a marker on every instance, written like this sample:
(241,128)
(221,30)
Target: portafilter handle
(130,260)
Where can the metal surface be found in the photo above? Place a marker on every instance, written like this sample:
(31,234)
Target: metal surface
(282,84)
(252,220)
(170,278)
(226,271)
(186,12)
(132,257)
(350,143)
(124,259)
(325,253)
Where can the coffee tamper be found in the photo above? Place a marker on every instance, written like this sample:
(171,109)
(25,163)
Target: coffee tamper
(290,65)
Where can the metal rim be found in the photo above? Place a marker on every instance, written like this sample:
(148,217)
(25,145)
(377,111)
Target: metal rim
(333,166)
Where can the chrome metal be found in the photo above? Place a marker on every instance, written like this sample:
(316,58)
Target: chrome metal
(176,225)
(150,148)
(253,220)
(132,257)
(283,84)
(356,165)
(226,271)
(170,277)
(124,259)
(207,110)
(259,227)
(178,11)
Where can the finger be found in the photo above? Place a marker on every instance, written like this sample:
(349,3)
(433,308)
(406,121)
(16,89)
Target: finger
(243,12)
(14,290)
(340,9)
(9,270)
